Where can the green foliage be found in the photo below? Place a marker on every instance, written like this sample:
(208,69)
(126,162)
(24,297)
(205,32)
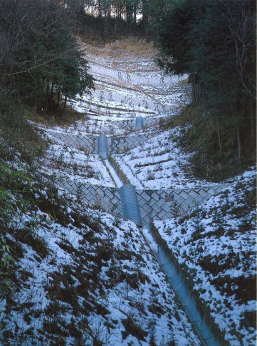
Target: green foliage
(18,137)
(212,38)
(223,50)
(8,210)
(172,40)
(111,18)
(40,65)
(214,41)
(40,61)
(215,150)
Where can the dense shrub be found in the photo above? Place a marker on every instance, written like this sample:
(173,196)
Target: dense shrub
(214,42)
(40,62)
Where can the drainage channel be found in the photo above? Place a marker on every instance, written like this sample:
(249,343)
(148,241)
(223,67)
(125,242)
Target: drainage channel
(130,206)
(102,147)
(131,211)
(114,176)
(181,289)
(103,152)
(139,123)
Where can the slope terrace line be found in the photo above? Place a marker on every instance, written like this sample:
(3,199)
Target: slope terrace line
(119,69)
(126,110)
(134,88)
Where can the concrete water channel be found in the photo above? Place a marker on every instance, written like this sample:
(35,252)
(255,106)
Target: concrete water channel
(131,210)
(182,290)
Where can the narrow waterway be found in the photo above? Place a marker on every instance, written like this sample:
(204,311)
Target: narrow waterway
(102,147)
(130,206)
(139,123)
(131,211)
(181,289)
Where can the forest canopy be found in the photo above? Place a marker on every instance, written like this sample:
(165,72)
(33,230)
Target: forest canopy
(40,62)
(214,42)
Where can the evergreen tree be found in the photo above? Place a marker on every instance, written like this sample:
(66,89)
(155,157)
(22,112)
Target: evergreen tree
(214,42)
(41,62)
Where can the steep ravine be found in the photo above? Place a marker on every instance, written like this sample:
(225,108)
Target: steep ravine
(131,211)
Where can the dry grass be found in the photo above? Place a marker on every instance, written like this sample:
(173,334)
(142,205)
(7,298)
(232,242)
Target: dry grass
(183,82)
(131,45)
(68,117)
(122,47)
(188,114)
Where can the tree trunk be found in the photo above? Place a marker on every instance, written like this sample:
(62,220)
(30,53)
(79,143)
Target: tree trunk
(219,138)
(238,144)
(59,97)
(135,14)
(65,102)
(145,11)
(129,14)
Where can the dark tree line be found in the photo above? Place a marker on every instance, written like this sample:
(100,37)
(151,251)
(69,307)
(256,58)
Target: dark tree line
(114,17)
(40,62)
(214,41)
(211,40)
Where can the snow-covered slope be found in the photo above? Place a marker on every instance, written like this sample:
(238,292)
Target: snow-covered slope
(216,247)
(83,277)
(160,163)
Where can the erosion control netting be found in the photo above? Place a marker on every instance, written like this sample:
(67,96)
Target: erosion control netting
(122,144)
(152,204)
(164,204)
(89,142)
(94,196)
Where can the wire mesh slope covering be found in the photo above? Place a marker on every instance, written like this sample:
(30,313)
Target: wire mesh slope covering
(152,121)
(164,204)
(104,198)
(110,124)
(153,204)
(126,124)
(87,143)
(90,143)
(121,145)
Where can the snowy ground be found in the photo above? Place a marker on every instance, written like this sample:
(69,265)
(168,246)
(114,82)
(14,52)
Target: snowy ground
(160,164)
(127,88)
(84,276)
(120,96)
(216,247)
(130,93)
(87,279)
(76,166)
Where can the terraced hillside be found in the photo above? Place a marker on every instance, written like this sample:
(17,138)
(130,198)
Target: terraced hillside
(84,273)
